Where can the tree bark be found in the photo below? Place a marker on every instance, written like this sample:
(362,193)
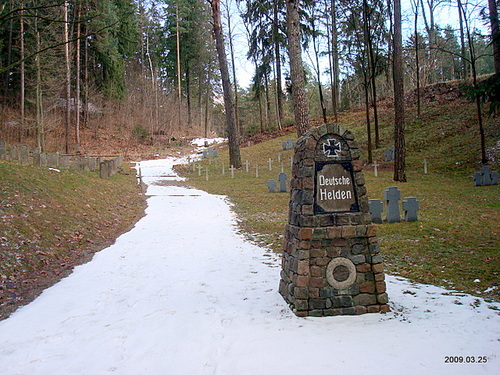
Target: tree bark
(234,146)
(318,76)
(68,77)
(300,105)
(495,34)
(77,80)
(399,105)
(279,91)
(372,69)
(23,70)
(335,61)
(233,65)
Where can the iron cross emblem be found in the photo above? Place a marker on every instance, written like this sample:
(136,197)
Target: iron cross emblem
(331,148)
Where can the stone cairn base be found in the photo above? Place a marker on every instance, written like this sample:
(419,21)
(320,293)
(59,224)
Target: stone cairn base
(331,263)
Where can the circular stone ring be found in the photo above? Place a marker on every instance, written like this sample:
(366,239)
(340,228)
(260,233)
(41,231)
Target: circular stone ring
(341,273)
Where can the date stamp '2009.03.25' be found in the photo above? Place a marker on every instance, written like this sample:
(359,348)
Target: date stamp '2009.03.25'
(467,359)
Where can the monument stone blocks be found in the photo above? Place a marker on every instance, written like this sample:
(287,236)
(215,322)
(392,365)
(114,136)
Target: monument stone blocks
(331,262)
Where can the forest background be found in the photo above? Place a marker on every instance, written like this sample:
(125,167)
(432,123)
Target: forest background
(106,76)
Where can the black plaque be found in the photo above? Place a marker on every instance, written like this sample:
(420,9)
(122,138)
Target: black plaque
(335,189)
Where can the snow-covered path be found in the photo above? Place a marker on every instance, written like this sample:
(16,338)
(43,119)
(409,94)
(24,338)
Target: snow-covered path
(183,293)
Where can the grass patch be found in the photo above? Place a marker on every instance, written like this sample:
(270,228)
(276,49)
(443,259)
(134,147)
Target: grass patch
(455,242)
(50,221)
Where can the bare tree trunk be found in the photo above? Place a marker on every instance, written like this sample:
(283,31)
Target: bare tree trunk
(318,77)
(399,104)
(473,58)
(462,41)
(279,91)
(86,76)
(9,53)
(178,46)
(233,65)
(300,105)
(430,26)
(268,100)
(23,71)
(372,69)
(417,58)
(234,146)
(335,61)
(366,86)
(495,33)
(40,137)
(77,79)
(68,77)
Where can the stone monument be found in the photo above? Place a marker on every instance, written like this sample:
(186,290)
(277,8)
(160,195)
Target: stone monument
(331,263)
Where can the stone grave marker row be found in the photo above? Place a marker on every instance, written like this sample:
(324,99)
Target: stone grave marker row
(486,177)
(80,163)
(271,184)
(392,195)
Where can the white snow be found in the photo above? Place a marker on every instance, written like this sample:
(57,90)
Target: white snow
(209,141)
(183,293)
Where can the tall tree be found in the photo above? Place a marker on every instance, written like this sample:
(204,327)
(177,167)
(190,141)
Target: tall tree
(399,105)
(233,136)
(300,105)
(67,83)
(495,33)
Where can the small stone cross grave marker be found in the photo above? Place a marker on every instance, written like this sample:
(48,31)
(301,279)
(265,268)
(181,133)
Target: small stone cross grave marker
(486,177)
(282,177)
(389,154)
(288,145)
(376,207)
(271,185)
(392,195)
(410,207)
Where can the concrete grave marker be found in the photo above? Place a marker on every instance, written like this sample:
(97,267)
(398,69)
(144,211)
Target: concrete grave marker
(392,195)
(24,154)
(494,178)
(486,172)
(288,145)
(282,177)
(375,168)
(390,154)
(331,263)
(376,208)
(410,207)
(3,150)
(271,185)
(53,160)
(486,177)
